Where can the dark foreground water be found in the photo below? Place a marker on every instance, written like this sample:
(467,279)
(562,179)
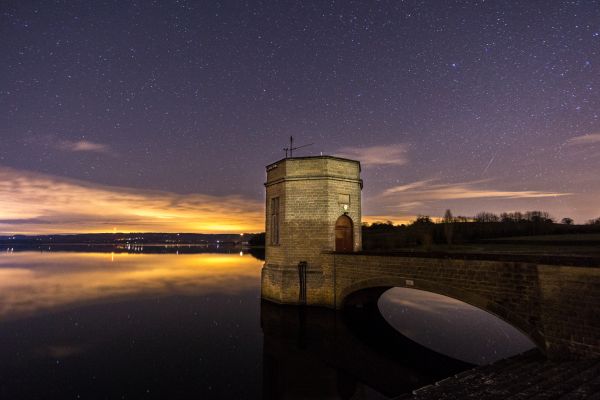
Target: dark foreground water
(102,325)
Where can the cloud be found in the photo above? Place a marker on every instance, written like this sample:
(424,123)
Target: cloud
(394,154)
(408,186)
(408,205)
(590,138)
(25,221)
(37,203)
(83,146)
(75,146)
(417,193)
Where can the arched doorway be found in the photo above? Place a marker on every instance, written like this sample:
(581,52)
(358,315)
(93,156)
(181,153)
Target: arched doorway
(344,238)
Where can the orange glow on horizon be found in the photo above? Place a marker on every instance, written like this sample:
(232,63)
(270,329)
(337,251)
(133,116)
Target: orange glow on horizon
(32,203)
(396,220)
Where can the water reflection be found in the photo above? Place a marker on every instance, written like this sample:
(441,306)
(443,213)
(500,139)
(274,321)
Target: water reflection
(173,347)
(316,353)
(119,325)
(451,327)
(34,281)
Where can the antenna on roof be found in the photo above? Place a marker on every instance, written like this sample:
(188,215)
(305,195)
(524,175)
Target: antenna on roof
(291,149)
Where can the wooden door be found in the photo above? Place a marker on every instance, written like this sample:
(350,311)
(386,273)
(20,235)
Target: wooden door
(344,238)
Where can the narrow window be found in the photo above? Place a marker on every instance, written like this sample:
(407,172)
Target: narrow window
(275,220)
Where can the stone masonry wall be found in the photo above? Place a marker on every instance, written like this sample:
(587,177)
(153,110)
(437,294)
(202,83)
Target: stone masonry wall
(556,306)
(308,190)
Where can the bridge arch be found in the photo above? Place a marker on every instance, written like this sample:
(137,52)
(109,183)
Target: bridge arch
(369,290)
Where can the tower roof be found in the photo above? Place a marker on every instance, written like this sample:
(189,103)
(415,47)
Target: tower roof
(314,157)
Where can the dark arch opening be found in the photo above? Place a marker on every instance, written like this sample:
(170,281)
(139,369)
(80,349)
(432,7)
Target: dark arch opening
(344,235)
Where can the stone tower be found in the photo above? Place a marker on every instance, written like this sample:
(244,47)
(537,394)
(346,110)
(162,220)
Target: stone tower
(313,206)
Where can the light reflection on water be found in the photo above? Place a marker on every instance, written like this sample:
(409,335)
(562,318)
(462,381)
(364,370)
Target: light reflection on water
(451,327)
(35,281)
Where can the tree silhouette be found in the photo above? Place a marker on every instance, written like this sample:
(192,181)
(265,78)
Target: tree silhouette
(486,217)
(448,226)
(423,220)
(448,218)
(538,217)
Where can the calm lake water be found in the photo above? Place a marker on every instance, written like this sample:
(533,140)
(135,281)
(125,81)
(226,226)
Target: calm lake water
(124,325)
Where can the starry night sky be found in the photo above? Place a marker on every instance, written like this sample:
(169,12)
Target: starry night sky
(162,115)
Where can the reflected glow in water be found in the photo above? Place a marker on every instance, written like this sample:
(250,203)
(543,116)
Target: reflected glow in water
(451,327)
(31,282)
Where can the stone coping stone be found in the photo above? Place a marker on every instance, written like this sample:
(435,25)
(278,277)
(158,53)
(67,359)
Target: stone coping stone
(567,261)
(324,157)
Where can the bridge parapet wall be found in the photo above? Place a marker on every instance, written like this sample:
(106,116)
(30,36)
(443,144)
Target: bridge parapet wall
(556,306)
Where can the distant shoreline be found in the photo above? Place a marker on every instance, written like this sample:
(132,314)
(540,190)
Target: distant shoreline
(137,238)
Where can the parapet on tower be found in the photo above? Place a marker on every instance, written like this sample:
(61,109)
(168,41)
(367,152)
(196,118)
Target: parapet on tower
(313,206)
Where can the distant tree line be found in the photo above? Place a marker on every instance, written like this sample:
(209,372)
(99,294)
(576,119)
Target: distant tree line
(423,231)
(257,239)
(450,229)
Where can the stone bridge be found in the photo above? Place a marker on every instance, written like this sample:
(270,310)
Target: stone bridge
(555,305)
